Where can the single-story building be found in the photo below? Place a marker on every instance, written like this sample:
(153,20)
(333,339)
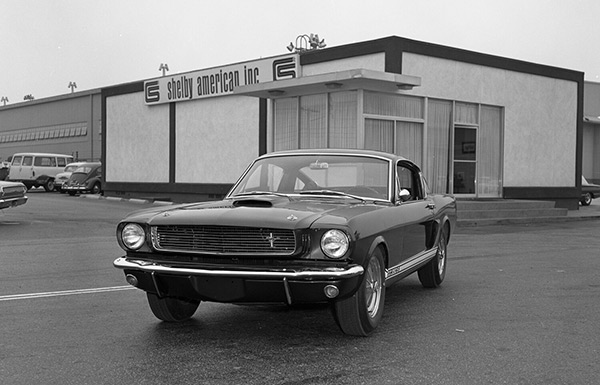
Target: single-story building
(480,126)
(66,124)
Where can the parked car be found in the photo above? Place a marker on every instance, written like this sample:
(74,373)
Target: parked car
(35,169)
(12,194)
(63,177)
(588,192)
(304,226)
(87,178)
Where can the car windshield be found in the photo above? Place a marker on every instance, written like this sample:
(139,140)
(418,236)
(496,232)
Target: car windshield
(83,170)
(326,174)
(71,168)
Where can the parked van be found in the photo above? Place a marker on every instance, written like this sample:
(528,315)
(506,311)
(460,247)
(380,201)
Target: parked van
(35,169)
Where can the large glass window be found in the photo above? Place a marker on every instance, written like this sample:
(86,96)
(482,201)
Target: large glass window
(396,137)
(379,135)
(313,121)
(286,124)
(343,119)
(393,105)
(316,121)
(439,123)
(489,158)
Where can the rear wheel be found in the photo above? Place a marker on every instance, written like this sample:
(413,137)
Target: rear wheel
(95,188)
(172,309)
(432,274)
(586,200)
(49,185)
(360,314)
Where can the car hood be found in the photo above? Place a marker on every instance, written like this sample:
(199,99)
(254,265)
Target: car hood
(63,175)
(272,211)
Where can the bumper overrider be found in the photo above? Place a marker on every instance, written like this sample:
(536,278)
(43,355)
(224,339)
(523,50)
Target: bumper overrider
(272,285)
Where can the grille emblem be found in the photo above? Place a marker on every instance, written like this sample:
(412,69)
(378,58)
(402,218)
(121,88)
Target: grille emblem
(271,239)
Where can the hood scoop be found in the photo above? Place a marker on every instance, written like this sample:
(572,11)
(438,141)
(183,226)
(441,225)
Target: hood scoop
(253,202)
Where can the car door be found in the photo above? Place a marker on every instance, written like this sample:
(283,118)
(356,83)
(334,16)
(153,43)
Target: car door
(26,168)
(416,213)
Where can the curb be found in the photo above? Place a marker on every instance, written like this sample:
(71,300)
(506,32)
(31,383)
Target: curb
(131,200)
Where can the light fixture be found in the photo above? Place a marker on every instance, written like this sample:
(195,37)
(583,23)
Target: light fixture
(164,67)
(333,85)
(405,87)
(276,92)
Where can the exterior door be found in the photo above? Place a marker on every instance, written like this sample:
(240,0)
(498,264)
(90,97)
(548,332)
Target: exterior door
(465,161)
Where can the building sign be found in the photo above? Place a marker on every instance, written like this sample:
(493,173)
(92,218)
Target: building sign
(219,81)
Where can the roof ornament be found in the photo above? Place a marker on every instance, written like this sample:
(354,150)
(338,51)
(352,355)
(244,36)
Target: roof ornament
(306,43)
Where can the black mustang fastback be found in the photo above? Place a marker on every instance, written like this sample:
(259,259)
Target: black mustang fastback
(304,226)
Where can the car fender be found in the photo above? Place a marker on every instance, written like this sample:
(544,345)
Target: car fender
(377,241)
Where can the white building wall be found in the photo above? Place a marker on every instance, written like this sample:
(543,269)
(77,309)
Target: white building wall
(216,138)
(137,140)
(540,114)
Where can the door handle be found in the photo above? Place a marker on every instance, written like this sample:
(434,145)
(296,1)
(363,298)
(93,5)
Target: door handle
(430,206)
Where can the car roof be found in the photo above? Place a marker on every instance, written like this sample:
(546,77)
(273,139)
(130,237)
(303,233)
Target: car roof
(40,154)
(90,164)
(338,151)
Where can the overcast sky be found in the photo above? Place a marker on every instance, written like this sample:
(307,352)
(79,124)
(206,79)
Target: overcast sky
(45,44)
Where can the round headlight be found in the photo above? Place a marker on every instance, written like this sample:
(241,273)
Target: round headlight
(334,243)
(133,236)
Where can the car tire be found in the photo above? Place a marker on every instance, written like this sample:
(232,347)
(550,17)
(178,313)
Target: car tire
(586,199)
(72,193)
(432,274)
(170,309)
(49,185)
(95,188)
(360,314)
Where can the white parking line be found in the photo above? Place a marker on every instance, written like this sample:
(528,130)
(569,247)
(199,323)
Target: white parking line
(61,293)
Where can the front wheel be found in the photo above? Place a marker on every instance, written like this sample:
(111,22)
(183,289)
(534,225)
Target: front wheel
(170,309)
(360,314)
(432,274)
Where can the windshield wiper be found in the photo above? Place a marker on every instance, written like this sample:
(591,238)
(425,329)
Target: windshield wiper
(331,192)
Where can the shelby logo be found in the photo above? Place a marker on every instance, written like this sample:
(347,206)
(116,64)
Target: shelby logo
(152,92)
(284,68)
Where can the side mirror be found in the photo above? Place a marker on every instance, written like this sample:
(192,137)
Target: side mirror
(404,195)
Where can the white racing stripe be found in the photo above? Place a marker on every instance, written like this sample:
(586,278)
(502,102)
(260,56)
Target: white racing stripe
(64,292)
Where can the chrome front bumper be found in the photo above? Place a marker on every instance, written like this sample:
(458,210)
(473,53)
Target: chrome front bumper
(297,285)
(331,273)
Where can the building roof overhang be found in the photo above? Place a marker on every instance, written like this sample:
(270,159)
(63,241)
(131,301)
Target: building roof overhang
(335,81)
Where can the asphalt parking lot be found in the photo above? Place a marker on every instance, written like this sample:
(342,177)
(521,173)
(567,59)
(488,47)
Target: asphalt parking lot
(518,306)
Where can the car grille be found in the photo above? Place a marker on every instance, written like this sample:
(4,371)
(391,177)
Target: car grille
(12,192)
(226,240)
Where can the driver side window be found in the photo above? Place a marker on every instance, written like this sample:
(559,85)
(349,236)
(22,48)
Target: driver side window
(407,179)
